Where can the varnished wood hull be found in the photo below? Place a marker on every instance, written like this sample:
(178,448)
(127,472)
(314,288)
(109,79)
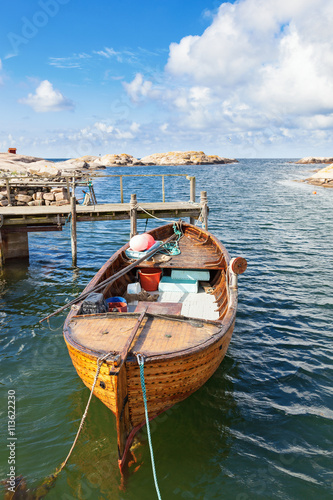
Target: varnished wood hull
(170,375)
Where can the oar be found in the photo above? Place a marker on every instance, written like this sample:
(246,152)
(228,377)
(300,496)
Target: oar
(101,285)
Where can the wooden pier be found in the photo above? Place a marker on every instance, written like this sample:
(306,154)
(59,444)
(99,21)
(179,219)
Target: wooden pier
(17,221)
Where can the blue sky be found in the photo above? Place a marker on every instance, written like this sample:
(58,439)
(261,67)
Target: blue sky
(251,78)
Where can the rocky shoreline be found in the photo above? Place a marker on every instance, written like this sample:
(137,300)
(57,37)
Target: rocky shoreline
(323,177)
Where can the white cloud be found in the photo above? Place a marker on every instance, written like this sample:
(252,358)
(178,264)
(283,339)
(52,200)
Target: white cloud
(102,127)
(138,88)
(47,99)
(135,127)
(73,61)
(107,52)
(260,63)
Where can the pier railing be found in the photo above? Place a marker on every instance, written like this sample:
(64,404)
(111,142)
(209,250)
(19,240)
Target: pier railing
(73,181)
(121,182)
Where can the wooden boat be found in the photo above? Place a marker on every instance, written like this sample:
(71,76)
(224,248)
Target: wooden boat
(183,336)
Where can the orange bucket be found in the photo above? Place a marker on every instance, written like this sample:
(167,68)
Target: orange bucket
(150,278)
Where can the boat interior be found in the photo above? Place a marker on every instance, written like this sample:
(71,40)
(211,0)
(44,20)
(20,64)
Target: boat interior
(190,285)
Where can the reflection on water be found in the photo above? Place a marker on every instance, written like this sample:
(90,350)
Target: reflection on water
(261,426)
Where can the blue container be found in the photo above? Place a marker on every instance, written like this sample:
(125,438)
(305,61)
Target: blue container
(117,303)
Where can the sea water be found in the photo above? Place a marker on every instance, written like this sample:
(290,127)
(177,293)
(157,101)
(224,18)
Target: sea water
(261,427)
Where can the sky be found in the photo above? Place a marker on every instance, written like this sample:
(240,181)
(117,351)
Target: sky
(241,79)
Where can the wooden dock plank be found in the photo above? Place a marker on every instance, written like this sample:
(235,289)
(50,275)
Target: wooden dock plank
(109,211)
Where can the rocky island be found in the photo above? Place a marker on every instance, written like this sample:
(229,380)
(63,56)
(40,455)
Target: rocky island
(185,158)
(173,158)
(30,165)
(318,159)
(23,171)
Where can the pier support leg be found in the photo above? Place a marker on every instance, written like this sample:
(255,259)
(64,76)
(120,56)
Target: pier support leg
(73,230)
(204,209)
(2,258)
(13,246)
(133,214)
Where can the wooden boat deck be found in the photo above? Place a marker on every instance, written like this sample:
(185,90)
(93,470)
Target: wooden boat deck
(157,335)
(194,255)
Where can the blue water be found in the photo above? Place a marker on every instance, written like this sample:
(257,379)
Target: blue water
(261,428)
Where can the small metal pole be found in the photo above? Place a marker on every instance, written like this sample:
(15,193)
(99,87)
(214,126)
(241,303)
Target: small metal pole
(73,230)
(133,214)
(8,192)
(192,195)
(204,209)
(121,189)
(163,189)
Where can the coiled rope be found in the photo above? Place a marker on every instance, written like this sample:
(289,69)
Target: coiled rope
(141,363)
(172,248)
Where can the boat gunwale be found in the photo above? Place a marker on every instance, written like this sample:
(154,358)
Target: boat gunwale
(225,323)
(121,251)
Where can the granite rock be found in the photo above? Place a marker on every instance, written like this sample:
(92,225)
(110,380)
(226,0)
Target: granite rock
(44,169)
(318,159)
(184,158)
(324,173)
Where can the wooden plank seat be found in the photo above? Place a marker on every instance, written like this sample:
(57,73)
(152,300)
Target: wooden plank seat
(159,307)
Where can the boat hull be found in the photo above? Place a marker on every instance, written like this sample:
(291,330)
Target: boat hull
(170,375)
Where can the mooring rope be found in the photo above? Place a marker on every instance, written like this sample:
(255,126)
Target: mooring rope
(100,361)
(48,483)
(153,216)
(141,363)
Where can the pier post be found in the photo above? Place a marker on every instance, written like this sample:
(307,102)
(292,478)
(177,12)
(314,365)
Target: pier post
(204,209)
(73,231)
(67,187)
(192,195)
(133,214)
(121,189)
(8,192)
(163,189)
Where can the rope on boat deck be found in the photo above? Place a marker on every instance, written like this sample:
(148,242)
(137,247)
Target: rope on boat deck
(171,248)
(141,362)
